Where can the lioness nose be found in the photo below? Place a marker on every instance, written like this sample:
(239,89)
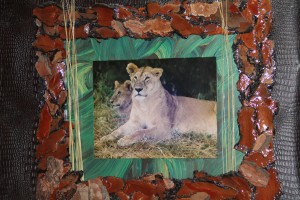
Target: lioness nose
(138,89)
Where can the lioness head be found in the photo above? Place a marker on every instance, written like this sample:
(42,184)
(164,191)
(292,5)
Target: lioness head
(144,81)
(122,95)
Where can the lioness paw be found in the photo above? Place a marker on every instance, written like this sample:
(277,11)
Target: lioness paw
(123,142)
(107,138)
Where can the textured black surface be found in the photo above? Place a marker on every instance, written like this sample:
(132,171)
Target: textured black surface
(19,105)
(286,33)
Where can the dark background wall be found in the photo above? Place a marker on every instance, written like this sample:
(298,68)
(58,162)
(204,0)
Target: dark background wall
(20,96)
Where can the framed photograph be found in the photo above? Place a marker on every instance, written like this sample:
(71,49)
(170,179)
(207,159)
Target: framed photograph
(169,95)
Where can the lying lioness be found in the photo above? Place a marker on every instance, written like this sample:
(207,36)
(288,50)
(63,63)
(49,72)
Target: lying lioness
(121,100)
(156,114)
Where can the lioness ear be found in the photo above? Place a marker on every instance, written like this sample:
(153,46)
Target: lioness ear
(128,85)
(131,68)
(157,71)
(117,84)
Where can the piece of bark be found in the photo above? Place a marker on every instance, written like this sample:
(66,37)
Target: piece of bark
(43,65)
(256,175)
(183,27)
(200,196)
(45,43)
(203,9)
(262,141)
(48,15)
(248,133)
(50,144)
(118,27)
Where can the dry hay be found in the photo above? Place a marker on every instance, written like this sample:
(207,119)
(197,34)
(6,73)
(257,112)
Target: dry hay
(179,146)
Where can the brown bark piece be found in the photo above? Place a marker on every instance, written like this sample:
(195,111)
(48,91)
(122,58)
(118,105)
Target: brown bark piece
(256,175)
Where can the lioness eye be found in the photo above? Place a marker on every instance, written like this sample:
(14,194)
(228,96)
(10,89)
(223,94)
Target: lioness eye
(134,77)
(147,78)
(119,92)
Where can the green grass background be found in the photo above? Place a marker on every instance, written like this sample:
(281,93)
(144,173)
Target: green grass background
(126,48)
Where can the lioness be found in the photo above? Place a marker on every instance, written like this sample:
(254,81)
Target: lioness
(156,114)
(121,100)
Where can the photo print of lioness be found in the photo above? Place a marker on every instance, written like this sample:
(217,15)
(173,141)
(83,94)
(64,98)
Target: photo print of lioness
(158,108)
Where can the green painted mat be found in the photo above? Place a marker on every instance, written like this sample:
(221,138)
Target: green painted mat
(172,47)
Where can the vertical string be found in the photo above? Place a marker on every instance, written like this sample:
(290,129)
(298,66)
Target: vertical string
(228,134)
(75,149)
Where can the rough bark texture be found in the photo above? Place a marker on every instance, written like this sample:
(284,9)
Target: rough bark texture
(286,91)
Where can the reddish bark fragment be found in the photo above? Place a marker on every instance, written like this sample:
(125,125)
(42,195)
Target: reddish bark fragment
(50,144)
(200,196)
(264,7)
(203,9)
(263,27)
(55,84)
(58,57)
(262,91)
(272,190)
(267,53)
(183,27)
(90,16)
(267,75)
(122,195)
(172,6)
(45,43)
(256,101)
(233,9)
(215,192)
(250,10)
(62,97)
(51,30)
(158,26)
(247,129)
(264,119)
(112,184)
(140,196)
(246,67)
(50,180)
(79,32)
(256,175)
(44,124)
(139,185)
(238,183)
(262,141)
(48,15)
(55,123)
(118,27)
(42,65)
(260,159)
(238,22)
(248,39)
(105,15)
(105,32)
(123,14)
(213,29)
(154,8)
(233,181)
(136,27)
(243,83)
(82,192)
(97,189)
(61,153)
(57,69)
(52,106)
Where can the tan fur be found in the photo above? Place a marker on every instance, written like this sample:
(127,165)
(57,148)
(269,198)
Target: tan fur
(121,100)
(156,114)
